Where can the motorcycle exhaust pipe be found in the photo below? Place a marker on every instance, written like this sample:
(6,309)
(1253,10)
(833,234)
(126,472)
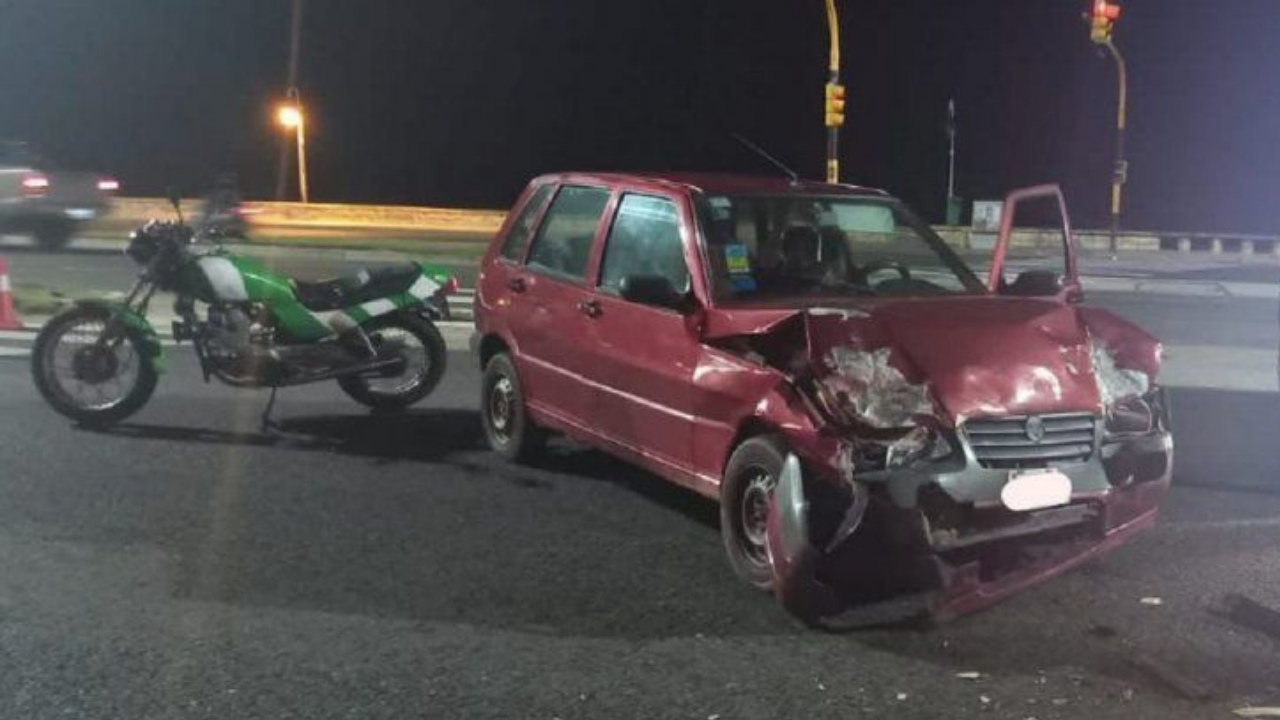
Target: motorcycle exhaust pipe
(379,367)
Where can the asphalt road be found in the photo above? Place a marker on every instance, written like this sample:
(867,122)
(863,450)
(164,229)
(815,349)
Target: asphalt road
(360,566)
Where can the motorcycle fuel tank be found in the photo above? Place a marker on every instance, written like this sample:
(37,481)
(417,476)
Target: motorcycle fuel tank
(225,278)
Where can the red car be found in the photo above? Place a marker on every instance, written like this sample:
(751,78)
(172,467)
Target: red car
(871,416)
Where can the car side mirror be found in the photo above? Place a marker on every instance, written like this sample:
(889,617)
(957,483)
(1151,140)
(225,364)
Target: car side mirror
(652,290)
(1037,283)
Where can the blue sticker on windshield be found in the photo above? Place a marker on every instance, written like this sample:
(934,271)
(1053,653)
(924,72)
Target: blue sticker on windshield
(737,261)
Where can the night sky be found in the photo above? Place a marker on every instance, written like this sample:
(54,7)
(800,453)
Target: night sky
(459,102)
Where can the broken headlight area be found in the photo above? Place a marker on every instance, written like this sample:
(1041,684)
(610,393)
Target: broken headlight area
(863,387)
(893,420)
(892,450)
(1115,382)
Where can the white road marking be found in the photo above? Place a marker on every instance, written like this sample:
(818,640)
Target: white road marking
(8,352)
(1220,368)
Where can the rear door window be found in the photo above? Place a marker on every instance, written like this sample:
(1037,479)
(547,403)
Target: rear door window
(562,246)
(514,245)
(645,240)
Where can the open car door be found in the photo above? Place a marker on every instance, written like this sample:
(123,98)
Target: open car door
(1063,284)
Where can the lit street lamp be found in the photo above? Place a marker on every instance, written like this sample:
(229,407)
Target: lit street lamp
(290,117)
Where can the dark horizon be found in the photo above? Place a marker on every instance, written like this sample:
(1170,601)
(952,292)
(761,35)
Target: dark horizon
(460,103)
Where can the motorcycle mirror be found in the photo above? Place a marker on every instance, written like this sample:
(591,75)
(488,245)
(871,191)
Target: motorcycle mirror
(175,199)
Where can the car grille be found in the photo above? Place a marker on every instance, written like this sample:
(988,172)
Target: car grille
(1026,441)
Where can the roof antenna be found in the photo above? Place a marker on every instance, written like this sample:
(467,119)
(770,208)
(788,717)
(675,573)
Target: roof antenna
(772,160)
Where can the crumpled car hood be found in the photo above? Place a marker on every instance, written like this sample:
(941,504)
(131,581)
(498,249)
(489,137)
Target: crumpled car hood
(979,356)
(976,356)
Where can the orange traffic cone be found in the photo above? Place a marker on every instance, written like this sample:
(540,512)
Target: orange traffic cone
(9,319)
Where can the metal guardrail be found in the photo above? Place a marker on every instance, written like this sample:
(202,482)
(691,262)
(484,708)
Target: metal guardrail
(460,304)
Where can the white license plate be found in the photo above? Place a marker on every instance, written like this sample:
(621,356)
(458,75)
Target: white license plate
(1036,490)
(81,213)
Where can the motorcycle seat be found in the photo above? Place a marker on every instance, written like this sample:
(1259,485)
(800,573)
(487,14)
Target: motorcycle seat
(361,287)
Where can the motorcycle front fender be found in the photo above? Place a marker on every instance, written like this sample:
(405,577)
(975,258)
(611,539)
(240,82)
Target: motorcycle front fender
(153,351)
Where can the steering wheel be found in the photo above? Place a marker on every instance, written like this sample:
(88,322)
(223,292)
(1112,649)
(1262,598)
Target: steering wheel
(876,266)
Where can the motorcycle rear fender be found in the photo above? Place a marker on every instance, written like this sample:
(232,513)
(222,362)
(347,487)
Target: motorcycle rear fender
(152,349)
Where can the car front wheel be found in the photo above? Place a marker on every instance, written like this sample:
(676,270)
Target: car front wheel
(503,412)
(749,481)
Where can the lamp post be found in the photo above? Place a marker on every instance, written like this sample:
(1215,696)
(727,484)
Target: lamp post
(291,117)
(291,81)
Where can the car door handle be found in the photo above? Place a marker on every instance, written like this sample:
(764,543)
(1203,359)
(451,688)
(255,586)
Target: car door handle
(517,284)
(590,308)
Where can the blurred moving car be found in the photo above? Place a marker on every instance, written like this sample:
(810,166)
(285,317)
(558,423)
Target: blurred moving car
(49,204)
(870,415)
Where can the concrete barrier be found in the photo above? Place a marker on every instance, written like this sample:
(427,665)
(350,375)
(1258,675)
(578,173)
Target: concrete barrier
(474,227)
(135,211)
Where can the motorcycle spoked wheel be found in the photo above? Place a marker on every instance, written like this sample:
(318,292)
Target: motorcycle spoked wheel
(423,350)
(94,384)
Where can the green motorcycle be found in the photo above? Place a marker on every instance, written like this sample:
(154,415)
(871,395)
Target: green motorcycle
(373,332)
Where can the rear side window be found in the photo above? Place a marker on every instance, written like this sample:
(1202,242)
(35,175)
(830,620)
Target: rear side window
(645,240)
(563,243)
(522,228)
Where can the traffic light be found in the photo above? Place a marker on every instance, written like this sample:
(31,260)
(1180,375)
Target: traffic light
(835,105)
(1104,17)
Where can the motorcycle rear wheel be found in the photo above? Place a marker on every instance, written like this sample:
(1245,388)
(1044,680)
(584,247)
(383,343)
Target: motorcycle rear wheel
(425,357)
(94,386)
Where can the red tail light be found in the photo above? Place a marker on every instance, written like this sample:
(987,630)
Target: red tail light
(34,184)
(450,287)
(107,184)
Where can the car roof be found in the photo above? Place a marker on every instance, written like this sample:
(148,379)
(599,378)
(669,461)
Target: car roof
(711,183)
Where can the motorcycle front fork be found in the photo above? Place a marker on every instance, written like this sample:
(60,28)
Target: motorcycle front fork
(112,332)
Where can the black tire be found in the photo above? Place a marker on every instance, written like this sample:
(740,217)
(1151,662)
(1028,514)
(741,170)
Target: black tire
(60,400)
(53,234)
(757,460)
(436,356)
(508,428)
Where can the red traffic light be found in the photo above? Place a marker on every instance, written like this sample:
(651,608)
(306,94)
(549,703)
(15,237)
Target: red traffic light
(1103,10)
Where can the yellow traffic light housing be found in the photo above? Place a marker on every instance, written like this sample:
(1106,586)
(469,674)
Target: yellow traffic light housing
(835,105)
(1103,21)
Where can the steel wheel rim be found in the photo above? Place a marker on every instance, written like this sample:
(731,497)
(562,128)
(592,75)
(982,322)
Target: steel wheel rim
(753,513)
(502,408)
(60,361)
(417,364)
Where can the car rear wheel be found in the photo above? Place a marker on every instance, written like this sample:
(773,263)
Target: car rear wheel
(749,481)
(507,426)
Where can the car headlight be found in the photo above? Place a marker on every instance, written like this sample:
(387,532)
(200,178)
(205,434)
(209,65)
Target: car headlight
(1130,416)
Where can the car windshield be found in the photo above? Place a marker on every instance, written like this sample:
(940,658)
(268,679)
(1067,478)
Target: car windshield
(770,248)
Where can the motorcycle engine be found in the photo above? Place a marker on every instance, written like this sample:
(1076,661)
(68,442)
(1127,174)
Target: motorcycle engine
(239,329)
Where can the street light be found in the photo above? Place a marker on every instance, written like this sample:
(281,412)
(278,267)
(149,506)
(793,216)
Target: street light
(1103,20)
(291,117)
(835,97)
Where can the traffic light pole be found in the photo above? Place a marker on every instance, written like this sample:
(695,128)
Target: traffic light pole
(1120,173)
(833,131)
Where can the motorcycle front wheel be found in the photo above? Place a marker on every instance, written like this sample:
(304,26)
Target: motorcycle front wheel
(94,379)
(417,341)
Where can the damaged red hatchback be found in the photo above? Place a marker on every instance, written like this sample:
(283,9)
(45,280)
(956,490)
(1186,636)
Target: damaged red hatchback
(871,416)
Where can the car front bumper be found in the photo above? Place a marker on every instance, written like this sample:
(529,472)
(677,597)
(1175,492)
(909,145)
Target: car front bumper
(942,528)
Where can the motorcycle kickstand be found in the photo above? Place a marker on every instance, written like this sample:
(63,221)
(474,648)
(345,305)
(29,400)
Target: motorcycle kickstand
(268,424)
